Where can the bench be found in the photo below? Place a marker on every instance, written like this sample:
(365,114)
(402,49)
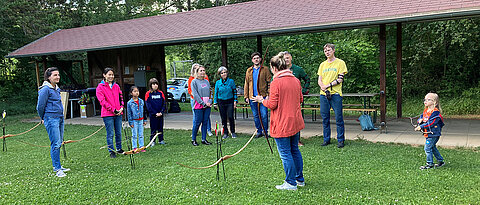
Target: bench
(244,107)
(316,108)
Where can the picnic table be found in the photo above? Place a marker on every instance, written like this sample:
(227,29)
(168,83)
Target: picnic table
(365,107)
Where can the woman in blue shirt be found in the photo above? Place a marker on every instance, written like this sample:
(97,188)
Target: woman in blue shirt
(226,100)
(50,110)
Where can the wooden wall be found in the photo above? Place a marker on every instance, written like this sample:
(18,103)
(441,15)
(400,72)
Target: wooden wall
(125,62)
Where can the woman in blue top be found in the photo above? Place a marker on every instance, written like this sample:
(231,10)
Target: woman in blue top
(226,100)
(50,110)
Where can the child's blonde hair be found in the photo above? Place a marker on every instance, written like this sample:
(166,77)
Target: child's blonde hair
(436,99)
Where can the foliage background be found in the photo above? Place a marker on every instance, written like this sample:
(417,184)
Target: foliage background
(441,56)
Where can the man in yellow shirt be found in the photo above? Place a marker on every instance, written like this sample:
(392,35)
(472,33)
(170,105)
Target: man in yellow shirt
(330,79)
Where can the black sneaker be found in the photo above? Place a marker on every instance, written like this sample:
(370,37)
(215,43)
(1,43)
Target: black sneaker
(120,151)
(427,166)
(113,155)
(440,164)
(225,136)
(234,135)
(325,143)
(258,135)
(341,144)
(194,143)
(206,142)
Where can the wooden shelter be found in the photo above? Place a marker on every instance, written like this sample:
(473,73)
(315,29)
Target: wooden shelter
(131,42)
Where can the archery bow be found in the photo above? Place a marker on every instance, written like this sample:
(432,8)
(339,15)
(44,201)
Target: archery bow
(258,104)
(144,147)
(415,126)
(224,157)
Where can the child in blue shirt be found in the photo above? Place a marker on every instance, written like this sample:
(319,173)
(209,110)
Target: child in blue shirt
(135,117)
(156,106)
(431,123)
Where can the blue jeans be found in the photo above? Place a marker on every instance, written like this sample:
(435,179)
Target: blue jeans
(291,158)
(54,127)
(336,104)
(111,123)
(431,150)
(201,116)
(256,117)
(137,133)
(209,126)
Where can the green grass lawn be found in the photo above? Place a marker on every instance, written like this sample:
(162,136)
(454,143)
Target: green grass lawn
(361,173)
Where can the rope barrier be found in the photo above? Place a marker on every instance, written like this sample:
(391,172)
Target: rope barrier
(71,141)
(64,142)
(13,135)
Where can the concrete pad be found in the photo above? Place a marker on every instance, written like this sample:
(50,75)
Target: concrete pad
(456,133)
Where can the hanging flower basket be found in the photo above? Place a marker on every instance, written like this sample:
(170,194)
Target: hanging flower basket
(84,99)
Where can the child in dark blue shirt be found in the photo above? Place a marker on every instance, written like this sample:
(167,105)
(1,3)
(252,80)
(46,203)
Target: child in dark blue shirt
(156,106)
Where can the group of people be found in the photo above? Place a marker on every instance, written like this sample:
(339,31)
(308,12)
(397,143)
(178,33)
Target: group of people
(110,97)
(282,94)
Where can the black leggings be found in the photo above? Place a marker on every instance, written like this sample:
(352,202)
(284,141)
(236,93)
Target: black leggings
(226,112)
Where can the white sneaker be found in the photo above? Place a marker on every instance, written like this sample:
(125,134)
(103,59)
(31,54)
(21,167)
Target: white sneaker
(209,133)
(162,142)
(60,173)
(153,144)
(300,183)
(286,186)
(63,169)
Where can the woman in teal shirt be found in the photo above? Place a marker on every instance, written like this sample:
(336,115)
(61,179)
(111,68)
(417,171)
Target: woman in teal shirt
(226,100)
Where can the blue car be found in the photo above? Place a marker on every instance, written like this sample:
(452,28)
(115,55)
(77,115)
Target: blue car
(179,88)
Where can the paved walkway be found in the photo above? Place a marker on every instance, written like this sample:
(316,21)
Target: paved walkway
(456,133)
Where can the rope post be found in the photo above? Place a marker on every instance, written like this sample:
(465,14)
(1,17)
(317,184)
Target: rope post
(129,145)
(4,114)
(64,151)
(219,151)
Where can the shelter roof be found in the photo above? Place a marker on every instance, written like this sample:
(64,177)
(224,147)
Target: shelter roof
(262,17)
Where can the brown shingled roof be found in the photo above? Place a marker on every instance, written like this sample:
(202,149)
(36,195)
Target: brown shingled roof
(244,20)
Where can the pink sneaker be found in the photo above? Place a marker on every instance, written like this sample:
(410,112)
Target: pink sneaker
(144,150)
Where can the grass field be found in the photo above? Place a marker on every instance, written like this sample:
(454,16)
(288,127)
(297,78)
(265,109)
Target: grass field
(361,173)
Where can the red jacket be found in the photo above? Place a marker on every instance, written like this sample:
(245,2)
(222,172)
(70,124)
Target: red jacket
(284,101)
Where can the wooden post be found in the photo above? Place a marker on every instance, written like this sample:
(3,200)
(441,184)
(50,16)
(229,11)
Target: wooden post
(399,70)
(91,76)
(121,82)
(81,72)
(44,60)
(383,64)
(37,71)
(224,53)
(259,44)
(163,71)
(120,70)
